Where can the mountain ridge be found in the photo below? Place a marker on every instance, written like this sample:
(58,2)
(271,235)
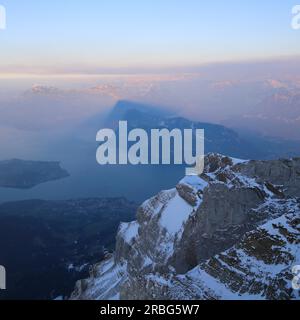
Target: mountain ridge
(231,233)
(218,138)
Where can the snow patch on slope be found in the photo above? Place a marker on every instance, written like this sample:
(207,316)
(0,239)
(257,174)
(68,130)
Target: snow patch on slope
(129,231)
(175,215)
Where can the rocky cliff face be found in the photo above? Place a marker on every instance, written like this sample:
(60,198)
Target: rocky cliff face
(232,233)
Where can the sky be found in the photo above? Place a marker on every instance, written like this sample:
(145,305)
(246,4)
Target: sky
(86,36)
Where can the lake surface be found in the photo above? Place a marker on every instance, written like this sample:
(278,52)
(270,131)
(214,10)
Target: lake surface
(89,179)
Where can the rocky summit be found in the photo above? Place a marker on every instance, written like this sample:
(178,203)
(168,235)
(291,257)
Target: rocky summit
(231,233)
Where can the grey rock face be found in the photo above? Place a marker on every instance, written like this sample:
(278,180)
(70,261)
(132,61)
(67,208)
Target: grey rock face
(224,216)
(285,173)
(257,267)
(203,239)
(187,193)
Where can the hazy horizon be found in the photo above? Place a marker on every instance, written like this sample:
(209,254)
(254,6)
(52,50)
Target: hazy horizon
(86,36)
(72,180)
(65,65)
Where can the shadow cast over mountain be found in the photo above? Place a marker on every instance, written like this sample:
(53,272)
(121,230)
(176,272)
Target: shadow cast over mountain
(218,138)
(77,152)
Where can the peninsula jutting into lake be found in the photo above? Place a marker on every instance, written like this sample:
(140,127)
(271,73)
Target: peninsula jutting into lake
(21,174)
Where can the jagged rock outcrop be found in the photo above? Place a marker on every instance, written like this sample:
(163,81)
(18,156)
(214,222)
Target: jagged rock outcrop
(232,233)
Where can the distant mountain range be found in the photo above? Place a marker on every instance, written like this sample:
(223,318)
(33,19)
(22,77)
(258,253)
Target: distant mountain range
(218,138)
(276,114)
(77,150)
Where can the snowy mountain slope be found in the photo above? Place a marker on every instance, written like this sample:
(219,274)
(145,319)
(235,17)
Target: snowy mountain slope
(259,267)
(232,233)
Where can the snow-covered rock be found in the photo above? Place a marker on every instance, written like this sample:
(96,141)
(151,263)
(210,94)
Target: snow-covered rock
(231,233)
